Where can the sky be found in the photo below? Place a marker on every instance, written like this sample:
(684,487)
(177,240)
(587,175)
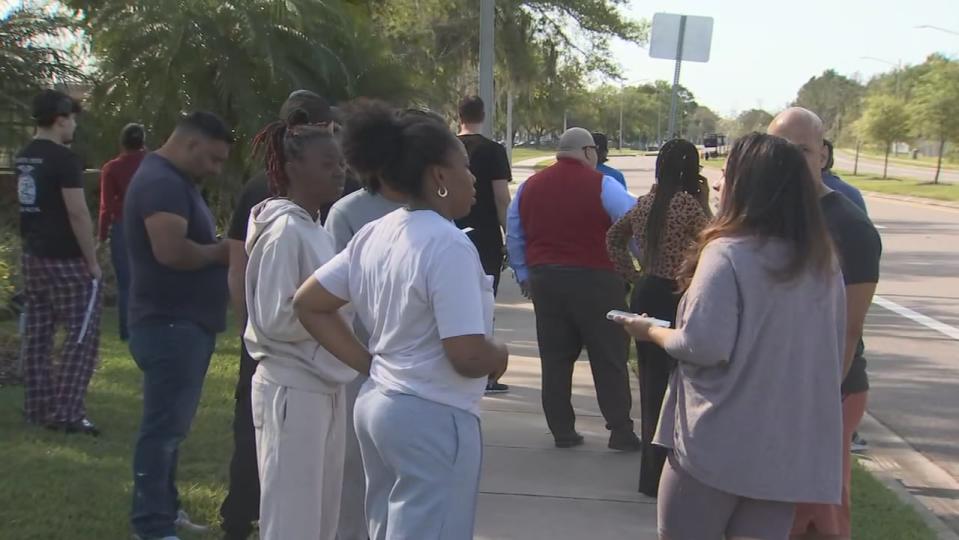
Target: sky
(763,51)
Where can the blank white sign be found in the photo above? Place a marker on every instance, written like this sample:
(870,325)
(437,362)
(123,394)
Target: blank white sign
(697,38)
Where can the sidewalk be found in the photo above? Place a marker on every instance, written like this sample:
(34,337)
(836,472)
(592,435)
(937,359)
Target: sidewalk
(531,490)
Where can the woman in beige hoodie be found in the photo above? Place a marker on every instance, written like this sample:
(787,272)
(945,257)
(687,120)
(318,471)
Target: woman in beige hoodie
(298,401)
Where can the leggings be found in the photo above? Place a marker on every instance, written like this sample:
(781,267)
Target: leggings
(691,510)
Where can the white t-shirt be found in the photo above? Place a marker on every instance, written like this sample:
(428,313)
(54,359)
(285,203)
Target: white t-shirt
(414,279)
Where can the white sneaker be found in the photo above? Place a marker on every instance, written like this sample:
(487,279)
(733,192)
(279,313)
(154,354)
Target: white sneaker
(183,522)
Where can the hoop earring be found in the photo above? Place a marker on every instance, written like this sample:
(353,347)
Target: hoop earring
(442,192)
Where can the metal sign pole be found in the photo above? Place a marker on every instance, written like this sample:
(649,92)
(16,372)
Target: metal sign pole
(679,62)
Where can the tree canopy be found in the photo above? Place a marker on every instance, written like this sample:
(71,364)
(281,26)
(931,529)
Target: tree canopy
(884,121)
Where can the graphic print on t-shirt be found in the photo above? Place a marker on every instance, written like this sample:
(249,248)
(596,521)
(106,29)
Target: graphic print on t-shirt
(27,189)
(43,169)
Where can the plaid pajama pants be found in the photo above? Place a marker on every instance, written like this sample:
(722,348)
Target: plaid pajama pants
(59,292)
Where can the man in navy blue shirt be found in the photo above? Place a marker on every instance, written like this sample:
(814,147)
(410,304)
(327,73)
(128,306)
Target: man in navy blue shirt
(602,153)
(835,183)
(178,299)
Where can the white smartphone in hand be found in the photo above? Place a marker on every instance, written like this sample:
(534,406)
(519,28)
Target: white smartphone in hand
(614,314)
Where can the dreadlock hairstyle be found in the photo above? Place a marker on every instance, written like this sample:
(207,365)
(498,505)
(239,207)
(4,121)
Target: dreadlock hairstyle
(283,141)
(677,169)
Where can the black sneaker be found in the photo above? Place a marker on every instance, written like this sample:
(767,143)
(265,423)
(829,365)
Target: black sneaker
(83,426)
(570,441)
(625,441)
(496,388)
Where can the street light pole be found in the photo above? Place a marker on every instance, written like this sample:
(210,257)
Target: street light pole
(897,65)
(622,98)
(939,28)
(486,59)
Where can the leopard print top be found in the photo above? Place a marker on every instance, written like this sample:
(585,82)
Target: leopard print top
(684,221)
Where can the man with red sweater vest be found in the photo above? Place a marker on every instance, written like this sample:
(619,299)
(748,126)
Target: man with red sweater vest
(556,238)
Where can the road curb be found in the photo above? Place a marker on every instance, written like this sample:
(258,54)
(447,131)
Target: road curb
(913,200)
(915,479)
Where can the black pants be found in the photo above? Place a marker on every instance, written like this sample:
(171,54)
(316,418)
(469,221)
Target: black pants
(656,297)
(242,504)
(491,257)
(571,306)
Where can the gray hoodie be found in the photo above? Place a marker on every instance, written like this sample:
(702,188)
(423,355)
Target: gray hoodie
(286,246)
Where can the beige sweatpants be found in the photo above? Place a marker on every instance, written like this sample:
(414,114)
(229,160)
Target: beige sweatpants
(300,446)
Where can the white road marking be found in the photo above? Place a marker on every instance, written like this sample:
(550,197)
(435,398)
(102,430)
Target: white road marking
(915,316)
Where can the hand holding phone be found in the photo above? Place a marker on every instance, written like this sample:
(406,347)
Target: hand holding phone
(623,316)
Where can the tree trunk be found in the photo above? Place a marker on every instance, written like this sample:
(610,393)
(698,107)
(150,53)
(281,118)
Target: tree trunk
(885,166)
(942,148)
(855,166)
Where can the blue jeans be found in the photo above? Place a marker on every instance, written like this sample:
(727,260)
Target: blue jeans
(174,357)
(121,267)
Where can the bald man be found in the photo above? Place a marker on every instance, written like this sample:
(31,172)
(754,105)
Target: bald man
(556,237)
(859,249)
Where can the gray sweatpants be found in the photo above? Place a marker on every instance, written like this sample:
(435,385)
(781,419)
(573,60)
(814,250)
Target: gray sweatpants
(299,449)
(422,462)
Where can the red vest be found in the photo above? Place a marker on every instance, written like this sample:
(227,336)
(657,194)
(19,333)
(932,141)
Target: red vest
(562,213)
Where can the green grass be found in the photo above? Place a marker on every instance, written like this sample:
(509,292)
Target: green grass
(60,486)
(928,162)
(714,163)
(895,186)
(878,514)
(543,164)
(72,486)
(889,186)
(523,153)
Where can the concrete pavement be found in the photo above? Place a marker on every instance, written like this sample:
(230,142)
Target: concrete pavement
(533,491)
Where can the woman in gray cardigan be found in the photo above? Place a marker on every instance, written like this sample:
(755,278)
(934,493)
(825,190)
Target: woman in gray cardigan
(752,417)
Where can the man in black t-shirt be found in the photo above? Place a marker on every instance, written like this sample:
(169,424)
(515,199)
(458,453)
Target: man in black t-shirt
(61,273)
(490,165)
(859,249)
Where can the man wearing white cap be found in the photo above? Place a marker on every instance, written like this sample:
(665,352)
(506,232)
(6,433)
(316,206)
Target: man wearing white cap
(556,240)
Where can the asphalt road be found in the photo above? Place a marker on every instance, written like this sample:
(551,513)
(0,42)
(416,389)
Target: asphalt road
(845,162)
(913,327)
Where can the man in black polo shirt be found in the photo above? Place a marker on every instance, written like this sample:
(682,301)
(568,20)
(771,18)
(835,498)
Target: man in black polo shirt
(859,249)
(60,269)
(490,165)
(178,299)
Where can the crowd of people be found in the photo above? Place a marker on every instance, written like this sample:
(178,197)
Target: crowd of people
(362,263)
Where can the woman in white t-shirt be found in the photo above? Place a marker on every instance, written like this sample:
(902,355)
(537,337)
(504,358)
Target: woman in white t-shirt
(416,282)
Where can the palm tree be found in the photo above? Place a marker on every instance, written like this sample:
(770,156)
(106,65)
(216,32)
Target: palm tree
(30,60)
(238,58)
